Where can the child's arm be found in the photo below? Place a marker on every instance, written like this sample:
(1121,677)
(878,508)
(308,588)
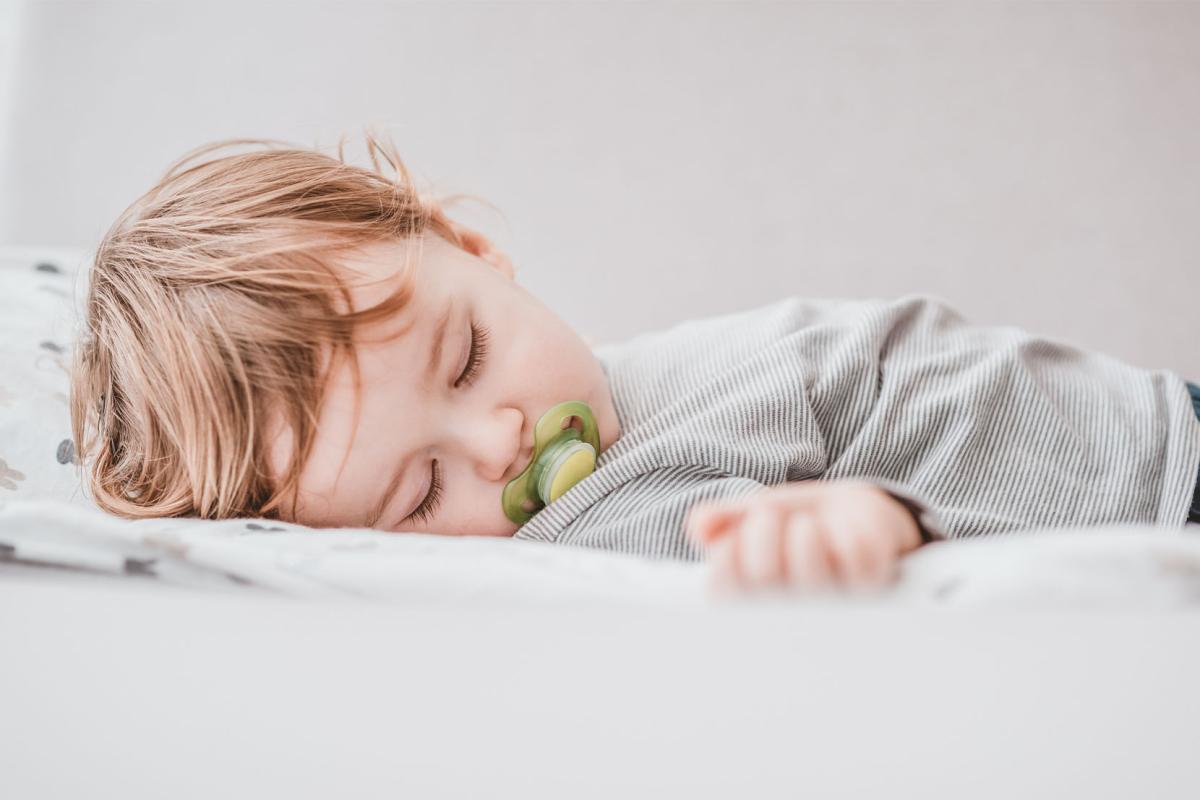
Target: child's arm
(808,534)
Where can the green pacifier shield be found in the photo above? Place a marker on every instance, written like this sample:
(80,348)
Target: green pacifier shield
(561,458)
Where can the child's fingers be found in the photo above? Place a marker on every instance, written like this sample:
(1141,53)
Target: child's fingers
(863,557)
(807,564)
(760,546)
(722,566)
(707,523)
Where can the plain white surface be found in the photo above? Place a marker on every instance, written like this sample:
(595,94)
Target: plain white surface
(1035,164)
(135,690)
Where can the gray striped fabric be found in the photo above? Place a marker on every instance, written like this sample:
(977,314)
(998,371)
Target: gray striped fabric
(984,430)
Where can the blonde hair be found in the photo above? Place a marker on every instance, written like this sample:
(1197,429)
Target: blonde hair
(211,307)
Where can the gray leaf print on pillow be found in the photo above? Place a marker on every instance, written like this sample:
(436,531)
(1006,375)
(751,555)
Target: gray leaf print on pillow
(46,266)
(9,476)
(254,526)
(140,566)
(66,452)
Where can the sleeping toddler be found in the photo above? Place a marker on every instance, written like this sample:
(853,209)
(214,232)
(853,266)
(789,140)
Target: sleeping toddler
(278,333)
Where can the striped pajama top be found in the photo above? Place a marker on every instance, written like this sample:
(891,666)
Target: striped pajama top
(979,430)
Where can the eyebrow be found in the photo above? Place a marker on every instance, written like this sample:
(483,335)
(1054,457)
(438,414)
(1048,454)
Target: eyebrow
(435,358)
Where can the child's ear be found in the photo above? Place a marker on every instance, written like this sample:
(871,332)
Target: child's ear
(478,244)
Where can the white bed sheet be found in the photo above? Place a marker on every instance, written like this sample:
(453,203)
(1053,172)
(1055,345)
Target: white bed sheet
(136,689)
(1120,566)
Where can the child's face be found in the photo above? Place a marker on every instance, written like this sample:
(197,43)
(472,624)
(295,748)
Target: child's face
(480,435)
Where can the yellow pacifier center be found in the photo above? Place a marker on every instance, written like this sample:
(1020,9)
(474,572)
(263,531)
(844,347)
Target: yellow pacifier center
(572,467)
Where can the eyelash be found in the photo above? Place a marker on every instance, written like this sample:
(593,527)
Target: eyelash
(430,503)
(479,350)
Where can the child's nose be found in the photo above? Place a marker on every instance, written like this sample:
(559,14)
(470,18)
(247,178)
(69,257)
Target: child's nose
(494,443)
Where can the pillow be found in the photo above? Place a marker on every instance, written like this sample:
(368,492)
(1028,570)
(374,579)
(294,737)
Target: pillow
(38,321)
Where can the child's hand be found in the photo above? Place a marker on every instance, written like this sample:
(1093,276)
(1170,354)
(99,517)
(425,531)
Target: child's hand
(805,535)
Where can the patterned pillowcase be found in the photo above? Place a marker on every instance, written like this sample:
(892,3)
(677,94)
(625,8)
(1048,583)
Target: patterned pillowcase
(40,290)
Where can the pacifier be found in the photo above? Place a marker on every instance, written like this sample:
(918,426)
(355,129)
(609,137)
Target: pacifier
(562,457)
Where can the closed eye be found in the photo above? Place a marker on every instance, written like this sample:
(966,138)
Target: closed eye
(479,350)
(428,506)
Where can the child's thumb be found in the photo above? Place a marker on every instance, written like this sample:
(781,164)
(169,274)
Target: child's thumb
(706,523)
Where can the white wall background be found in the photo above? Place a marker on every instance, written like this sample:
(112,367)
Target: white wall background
(1035,164)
